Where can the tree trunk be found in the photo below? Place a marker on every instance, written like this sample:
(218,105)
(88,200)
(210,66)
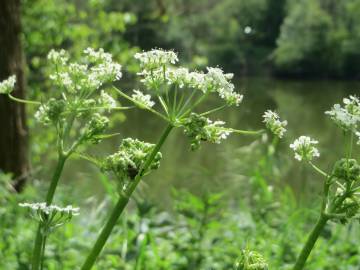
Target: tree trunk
(13,129)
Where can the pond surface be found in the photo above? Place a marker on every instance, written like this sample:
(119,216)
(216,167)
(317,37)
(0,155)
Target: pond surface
(227,167)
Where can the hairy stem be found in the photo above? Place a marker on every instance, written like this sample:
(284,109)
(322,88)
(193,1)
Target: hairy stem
(121,204)
(309,245)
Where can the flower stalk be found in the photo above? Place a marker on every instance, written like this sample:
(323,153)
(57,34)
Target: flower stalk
(121,204)
(309,245)
(39,240)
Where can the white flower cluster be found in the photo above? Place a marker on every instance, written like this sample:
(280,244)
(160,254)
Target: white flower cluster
(106,100)
(48,209)
(7,86)
(157,70)
(219,81)
(304,148)
(273,123)
(142,99)
(51,216)
(216,130)
(58,57)
(156,58)
(215,80)
(75,77)
(42,115)
(348,116)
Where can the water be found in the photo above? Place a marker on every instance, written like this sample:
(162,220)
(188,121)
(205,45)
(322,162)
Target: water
(224,167)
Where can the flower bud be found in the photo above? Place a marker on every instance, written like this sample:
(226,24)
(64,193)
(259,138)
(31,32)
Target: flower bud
(347,170)
(199,128)
(96,126)
(250,260)
(128,161)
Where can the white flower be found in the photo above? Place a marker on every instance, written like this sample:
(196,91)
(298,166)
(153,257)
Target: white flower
(74,77)
(49,209)
(142,99)
(304,148)
(106,100)
(216,131)
(178,76)
(7,86)
(97,55)
(347,117)
(58,57)
(156,58)
(216,80)
(50,216)
(272,122)
(357,134)
(41,115)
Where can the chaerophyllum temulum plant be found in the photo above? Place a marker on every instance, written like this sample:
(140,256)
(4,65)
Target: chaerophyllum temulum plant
(77,110)
(341,196)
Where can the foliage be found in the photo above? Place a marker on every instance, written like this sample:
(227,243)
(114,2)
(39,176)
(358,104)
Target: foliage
(317,39)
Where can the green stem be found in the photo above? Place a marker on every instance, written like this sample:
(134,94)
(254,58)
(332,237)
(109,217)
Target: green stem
(55,179)
(105,233)
(319,170)
(139,105)
(37,258)
(23,100)
(245,132)
(214,110)
(43,252)
(121,204)
(309,245)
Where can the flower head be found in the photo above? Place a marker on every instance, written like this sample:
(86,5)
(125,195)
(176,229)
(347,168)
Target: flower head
(51,216)
(142,100)
(50,112)
(348,116)
(97,68)
(156,58)
(304,148)
(95,128)
(215,80)
(273,123)
(58,57)
(7,86)
(251,260)
(128,161)
(199,128)
(347,170)
(106,100)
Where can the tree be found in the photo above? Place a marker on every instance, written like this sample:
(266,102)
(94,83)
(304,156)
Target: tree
(14,134)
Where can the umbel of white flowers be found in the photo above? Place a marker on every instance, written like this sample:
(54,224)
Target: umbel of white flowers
(304,148)
(157,69)
(51,216)
(142,99)
(273,123)
(7,86)
(78,95)
(347,117)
